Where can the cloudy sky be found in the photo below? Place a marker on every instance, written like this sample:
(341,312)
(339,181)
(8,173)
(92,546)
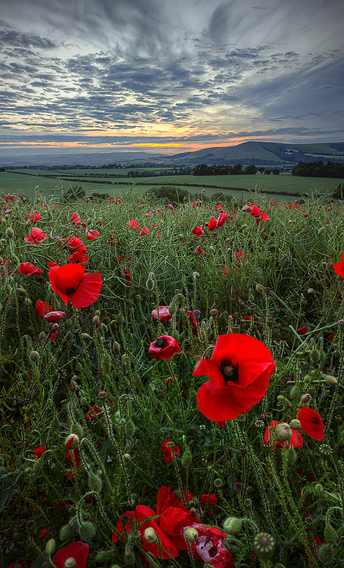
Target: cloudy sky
(169,76)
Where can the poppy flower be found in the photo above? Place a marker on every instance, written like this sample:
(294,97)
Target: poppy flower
(164,347)
(74,243)
(239,371)
(198,231)
(164,314)
(39,451)
(133,225)
(29,269)
(167,451)
(212,224)
(145,231)
(70,282)
(133,518)
(92,412)
(210,548)
(127,277)
(42,308)
(339,267)
(311,423)
(36,237)
(296,440)
(208,499)
(77,550)
(54,316)
(91,235)
(75,219)
(34,217)
(302,330)
(221,220)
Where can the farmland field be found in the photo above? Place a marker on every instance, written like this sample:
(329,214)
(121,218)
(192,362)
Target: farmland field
(22,181)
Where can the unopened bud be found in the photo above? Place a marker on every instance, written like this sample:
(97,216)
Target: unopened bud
(50,546)
(34,356)
(116,347)
(95,483)
(129,429)
(187,458)
(315,356)
(331,380)
(282,432)
(326,554)
(95,320)
(306,399)
(295,392)
(150,535)
(295,424)
(190,534)
(9,232)
(72,441)
(65,532)
(70,562)
(87,530)
(41,336)
(126,458)
(232,525)
(214,313)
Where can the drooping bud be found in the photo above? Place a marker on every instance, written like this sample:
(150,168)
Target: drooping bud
(330,534)
(126,458)
(65,532)
(186,458)
(150,535)
(129,557)
(315,356)
(291,456)
(77,429)
(295,392)
(232,525)
(306,399)
(87,530)
(129,429)
(34,356)
(9,232)
(95,483)
(331,380)
(116,347)
(190,534)
(282,432)
(50,546)
(172,308)
(326,554)
(41,336)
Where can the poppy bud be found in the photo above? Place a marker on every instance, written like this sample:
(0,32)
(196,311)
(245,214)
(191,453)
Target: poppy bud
(232,525)
(3,221)
(95,320)
(295,392)
(77,429)
(306,399)
(129,429)
(129,557)
(95,483)
(264,545)
(116,347)
(330,534)
(65,532)
(50,546)
(41,336)
(331,380)
(214,313)
(86,336)
(87,530)
(72,441)
(282,432)
(68,323)
(291,456)
(150,535)
(187,458)
(315,356)
(295,424)
(119,319)
(70,562)
(28,302)
(102,556)
(310,291)
(126,458)
(172,308)
(34,356)
(326,554)
(9,232)
(190,534)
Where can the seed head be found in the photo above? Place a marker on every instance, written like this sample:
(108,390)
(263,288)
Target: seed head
(282,432)
(190,534)
(264,545)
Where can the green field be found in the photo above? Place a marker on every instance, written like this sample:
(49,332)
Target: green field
(20,181)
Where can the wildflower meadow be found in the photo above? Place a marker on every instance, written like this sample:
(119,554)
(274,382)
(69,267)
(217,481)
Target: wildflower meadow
(171,382)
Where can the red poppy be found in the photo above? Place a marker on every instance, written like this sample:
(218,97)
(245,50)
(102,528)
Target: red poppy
(92,412)
(210,548)
(127,277)
(302,330)
(29,269)
(39,451)
(36,237)
(21,564)
(212,224)
(311,423)
(164,314)
(239,371)
(132,518)
(79,256)
(75,219)
(200,250)
(296,440)
(133,225)
(339,267)
(221,220)
(208,499)
(34,217)
(145,231)
(164,347)
(42,308)
(167,451)
(91,235)
(70,282)
(54,316)
(198,231)
(77,550)
(74,243)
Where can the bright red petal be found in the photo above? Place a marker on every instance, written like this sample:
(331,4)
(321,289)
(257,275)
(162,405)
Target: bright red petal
(207,368)
(88,291)
(339,268)
(76,550)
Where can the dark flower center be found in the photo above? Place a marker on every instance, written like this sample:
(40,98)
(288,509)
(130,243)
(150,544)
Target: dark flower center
(160,342)
(315,420)
(229,372)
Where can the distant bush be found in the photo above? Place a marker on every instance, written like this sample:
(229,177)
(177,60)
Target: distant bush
(318,169)
(168,194)
(75,193)
(95,196)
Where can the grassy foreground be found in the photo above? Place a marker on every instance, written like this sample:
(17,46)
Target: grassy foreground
(114,451)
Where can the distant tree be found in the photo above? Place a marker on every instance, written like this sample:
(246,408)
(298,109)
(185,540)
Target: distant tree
(250,170)
(201,170)
(275,171)
(267,172)
(2,169)
(236,170)
(168,194)
(261,170)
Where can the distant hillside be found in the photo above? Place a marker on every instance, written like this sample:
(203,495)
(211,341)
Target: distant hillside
(262,153)
(74,158)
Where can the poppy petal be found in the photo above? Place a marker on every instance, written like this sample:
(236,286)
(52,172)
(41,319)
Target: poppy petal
(207,368)
(88,290)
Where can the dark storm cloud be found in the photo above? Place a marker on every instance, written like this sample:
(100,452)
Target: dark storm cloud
(15,38)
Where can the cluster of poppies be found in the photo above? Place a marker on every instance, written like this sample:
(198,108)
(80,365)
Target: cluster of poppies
(166,534)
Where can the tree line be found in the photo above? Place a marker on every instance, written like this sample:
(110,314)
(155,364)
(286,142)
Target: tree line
(220,170)
(318,169)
